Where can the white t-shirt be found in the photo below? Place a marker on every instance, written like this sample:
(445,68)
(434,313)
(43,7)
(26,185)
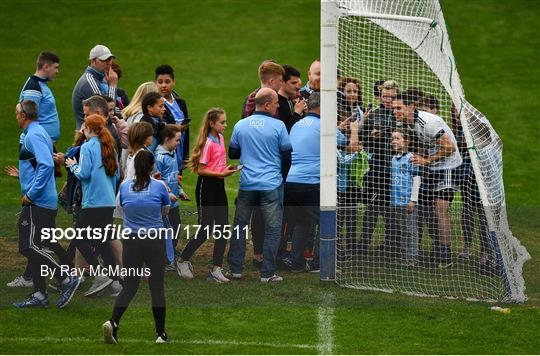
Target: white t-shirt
(130,166)
(429,129)
(129,173)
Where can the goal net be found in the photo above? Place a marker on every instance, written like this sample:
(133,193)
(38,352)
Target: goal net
(420,195)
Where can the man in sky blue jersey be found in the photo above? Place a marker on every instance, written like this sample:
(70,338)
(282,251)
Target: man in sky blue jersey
(261,143)
(97,79)
(39,207)
(36,89)
(303,183)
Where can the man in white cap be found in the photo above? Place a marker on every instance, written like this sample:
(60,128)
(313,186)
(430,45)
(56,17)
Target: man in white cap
(97,79)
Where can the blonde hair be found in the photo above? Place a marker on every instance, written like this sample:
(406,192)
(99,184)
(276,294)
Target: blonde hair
(389,84)
(270,69)
(135,106)
(211,115)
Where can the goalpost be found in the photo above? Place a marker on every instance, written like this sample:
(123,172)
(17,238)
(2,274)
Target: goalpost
(454,241)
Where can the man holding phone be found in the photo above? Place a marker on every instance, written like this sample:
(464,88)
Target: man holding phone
(376,136)
(292,106)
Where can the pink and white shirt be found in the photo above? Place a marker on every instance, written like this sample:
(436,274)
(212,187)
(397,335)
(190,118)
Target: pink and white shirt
(214,154)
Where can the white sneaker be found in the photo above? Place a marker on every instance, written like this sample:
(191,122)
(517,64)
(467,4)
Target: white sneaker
(20,282)
(217,276)
(100,283)
(162,338)
(112,290)
(170,267)
(230,275)
(185,269)
(274,278)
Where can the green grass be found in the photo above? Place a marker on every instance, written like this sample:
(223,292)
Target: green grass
(216,47)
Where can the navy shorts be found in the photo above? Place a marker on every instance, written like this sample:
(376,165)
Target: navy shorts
(441,184)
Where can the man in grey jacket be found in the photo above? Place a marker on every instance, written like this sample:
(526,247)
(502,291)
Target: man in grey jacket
(97,79)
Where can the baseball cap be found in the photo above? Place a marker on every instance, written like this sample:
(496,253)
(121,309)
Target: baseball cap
(100,52)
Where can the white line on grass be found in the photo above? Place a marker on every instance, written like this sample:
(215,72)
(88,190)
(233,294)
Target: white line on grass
(325,316)
(139,341)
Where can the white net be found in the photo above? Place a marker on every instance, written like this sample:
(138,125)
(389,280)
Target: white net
(420,196)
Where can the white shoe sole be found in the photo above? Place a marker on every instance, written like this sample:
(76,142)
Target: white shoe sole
(98,289)
(214,279)
(264,280)
(72,294)
(108,333)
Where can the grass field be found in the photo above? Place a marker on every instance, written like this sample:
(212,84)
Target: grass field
(216,47)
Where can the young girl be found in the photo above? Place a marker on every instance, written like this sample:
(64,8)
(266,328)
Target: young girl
(145,201)
(404,196)
(98,172)
(139,138)
(347,210)
(209,160)
(133,112)
(153,109)
(167,167)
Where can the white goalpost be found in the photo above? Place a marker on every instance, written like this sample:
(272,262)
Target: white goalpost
(412,194)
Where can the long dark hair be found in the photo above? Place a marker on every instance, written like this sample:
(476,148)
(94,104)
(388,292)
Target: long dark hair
(144,163)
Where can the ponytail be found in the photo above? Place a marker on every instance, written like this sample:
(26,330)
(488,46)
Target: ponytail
(143,163)
(96,123)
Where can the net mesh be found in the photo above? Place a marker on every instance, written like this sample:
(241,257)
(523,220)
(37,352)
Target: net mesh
(425,228)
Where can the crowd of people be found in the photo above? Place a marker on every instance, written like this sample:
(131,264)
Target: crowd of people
(399,161)
(126,161)
(402,163)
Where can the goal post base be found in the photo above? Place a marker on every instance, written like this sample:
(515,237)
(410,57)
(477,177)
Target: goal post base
(327,244)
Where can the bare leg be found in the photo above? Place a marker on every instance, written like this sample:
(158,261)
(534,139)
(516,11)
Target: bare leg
(443,220)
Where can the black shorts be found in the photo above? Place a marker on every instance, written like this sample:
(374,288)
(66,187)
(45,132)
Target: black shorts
(440,184)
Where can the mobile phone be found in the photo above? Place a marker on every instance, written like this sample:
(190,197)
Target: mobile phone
(183,197)
(240,166)
(370,106)
(186,121)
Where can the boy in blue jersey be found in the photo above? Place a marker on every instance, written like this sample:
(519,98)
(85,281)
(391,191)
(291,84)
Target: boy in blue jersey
(39,207)
(264,149)
(36,89)
(406,182)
